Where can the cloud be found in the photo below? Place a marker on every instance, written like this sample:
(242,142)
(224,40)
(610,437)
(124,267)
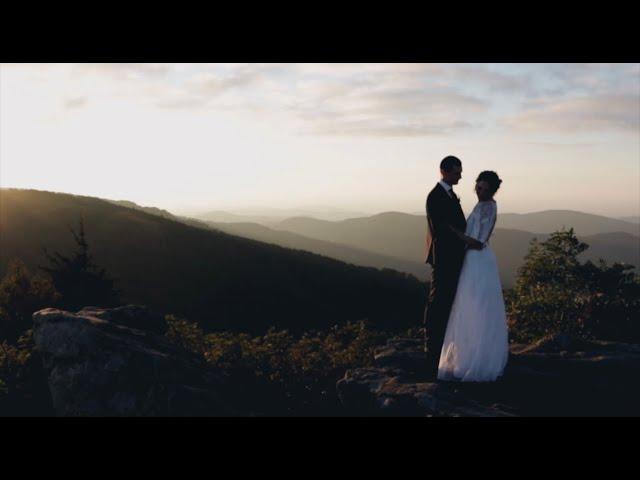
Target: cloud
(381,127)
(224,85)
(126,70)
(181,102)
(421,102)
(350,70)
(363,109)
(570,79)
(410,99)
(491,80)
(77,102)
(209,84)
(358,99)
(580,114)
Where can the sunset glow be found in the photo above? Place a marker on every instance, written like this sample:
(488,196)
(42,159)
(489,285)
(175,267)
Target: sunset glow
(357,137)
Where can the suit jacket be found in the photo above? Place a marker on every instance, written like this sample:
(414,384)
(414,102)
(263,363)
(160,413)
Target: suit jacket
(443,211)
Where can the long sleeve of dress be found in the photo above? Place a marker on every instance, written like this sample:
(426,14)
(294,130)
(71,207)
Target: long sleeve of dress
(483,227)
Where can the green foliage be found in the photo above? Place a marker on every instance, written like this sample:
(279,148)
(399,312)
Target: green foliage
(14,358)
(80,282)
(293,374)
(613,309)
(23,386)
(280,355)
(186,334)
(21,294)
(555,293)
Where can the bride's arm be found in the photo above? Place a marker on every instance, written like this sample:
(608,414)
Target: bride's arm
(483,227)
(487,221)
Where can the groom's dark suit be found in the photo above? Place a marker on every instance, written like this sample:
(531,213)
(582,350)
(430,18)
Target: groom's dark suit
(445,253)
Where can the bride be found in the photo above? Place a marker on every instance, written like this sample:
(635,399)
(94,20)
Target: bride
(476,346)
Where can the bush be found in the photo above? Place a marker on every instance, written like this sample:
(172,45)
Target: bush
(556,293)
(22,294)
(291,374)
(186,334)
(23,384)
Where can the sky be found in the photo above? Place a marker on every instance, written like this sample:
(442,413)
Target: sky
(357,137)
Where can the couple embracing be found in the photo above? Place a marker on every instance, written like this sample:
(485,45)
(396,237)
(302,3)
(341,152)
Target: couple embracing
(465,325)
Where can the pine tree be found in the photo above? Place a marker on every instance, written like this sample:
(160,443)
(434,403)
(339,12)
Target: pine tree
(80,282)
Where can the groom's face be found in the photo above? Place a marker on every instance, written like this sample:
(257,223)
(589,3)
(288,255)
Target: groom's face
(453,176)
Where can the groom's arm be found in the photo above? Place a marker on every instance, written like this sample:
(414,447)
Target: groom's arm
(442,226)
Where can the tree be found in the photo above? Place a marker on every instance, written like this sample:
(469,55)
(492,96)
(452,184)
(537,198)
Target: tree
(556,293)
(614,302)
(80,282)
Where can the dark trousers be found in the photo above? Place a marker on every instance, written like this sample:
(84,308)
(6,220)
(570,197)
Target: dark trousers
(444,283)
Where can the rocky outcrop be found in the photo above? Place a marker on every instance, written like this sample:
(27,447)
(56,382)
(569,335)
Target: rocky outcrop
(100,363)
(114,362)
(557,376)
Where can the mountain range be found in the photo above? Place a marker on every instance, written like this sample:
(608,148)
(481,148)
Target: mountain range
(223,281)
(551,220)
(298,273)
(270,216)
(395,240)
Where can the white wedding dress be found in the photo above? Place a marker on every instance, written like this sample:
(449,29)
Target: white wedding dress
(476,345)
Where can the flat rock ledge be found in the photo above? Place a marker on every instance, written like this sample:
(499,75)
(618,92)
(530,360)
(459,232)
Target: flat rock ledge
(99,364)
(557,376)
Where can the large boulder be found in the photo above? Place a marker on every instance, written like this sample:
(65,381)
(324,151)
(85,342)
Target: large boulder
(97,365)
(557,375)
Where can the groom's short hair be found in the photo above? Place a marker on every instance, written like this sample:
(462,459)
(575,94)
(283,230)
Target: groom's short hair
(449,162)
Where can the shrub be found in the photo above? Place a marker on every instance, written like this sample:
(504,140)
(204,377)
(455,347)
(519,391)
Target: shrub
(186,334)
(291,374)
(556,293)
(22,294)
(23,385)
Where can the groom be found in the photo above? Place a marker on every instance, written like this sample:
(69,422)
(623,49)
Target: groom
(445,254)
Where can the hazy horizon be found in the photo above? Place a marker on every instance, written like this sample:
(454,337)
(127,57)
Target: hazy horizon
(361,138)
(313,211)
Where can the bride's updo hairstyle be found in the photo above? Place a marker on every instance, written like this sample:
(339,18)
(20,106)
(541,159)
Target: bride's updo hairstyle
(491,178)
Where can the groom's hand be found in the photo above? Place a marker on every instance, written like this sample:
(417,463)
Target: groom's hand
(475,244)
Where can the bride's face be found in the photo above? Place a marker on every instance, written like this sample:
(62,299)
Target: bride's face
(483,191)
